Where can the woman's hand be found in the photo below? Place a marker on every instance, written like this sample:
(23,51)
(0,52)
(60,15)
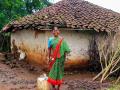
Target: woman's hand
(48,60)
(67,55)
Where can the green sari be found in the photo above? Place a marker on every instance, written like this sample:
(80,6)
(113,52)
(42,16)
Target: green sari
(56,73)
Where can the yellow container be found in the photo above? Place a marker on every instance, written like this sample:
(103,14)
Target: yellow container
(42,83)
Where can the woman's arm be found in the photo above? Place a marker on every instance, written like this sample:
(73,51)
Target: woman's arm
(49,54)
(49,48)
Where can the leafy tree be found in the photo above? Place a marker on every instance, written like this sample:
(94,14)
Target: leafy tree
(13,9)
(34,5)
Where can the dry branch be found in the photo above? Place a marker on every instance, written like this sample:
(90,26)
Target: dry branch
(109,52)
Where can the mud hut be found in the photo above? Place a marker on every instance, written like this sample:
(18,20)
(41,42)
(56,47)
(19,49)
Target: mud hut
(78,20)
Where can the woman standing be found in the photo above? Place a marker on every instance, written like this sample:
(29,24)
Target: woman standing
(57,48)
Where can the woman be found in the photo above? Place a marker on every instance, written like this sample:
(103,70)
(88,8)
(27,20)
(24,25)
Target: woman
(57,48)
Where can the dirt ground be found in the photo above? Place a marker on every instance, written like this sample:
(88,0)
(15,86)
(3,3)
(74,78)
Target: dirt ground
(22,76)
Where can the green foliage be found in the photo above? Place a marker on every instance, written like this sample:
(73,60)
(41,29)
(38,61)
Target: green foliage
(14,9)
(34,5)
(114,87)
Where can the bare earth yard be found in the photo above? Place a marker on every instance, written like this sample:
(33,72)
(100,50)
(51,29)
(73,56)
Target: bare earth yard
(22,76)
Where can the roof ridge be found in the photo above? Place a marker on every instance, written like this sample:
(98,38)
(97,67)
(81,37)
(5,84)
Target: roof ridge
(71,14)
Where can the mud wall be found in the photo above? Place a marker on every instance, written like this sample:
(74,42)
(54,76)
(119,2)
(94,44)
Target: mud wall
(34,44)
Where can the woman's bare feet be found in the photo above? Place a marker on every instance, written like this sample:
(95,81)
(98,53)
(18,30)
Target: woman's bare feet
(53,87)
(58,87)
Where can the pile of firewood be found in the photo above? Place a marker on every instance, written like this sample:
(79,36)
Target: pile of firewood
(109,52)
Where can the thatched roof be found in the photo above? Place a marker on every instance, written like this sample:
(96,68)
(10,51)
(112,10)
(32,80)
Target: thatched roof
(78,14)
